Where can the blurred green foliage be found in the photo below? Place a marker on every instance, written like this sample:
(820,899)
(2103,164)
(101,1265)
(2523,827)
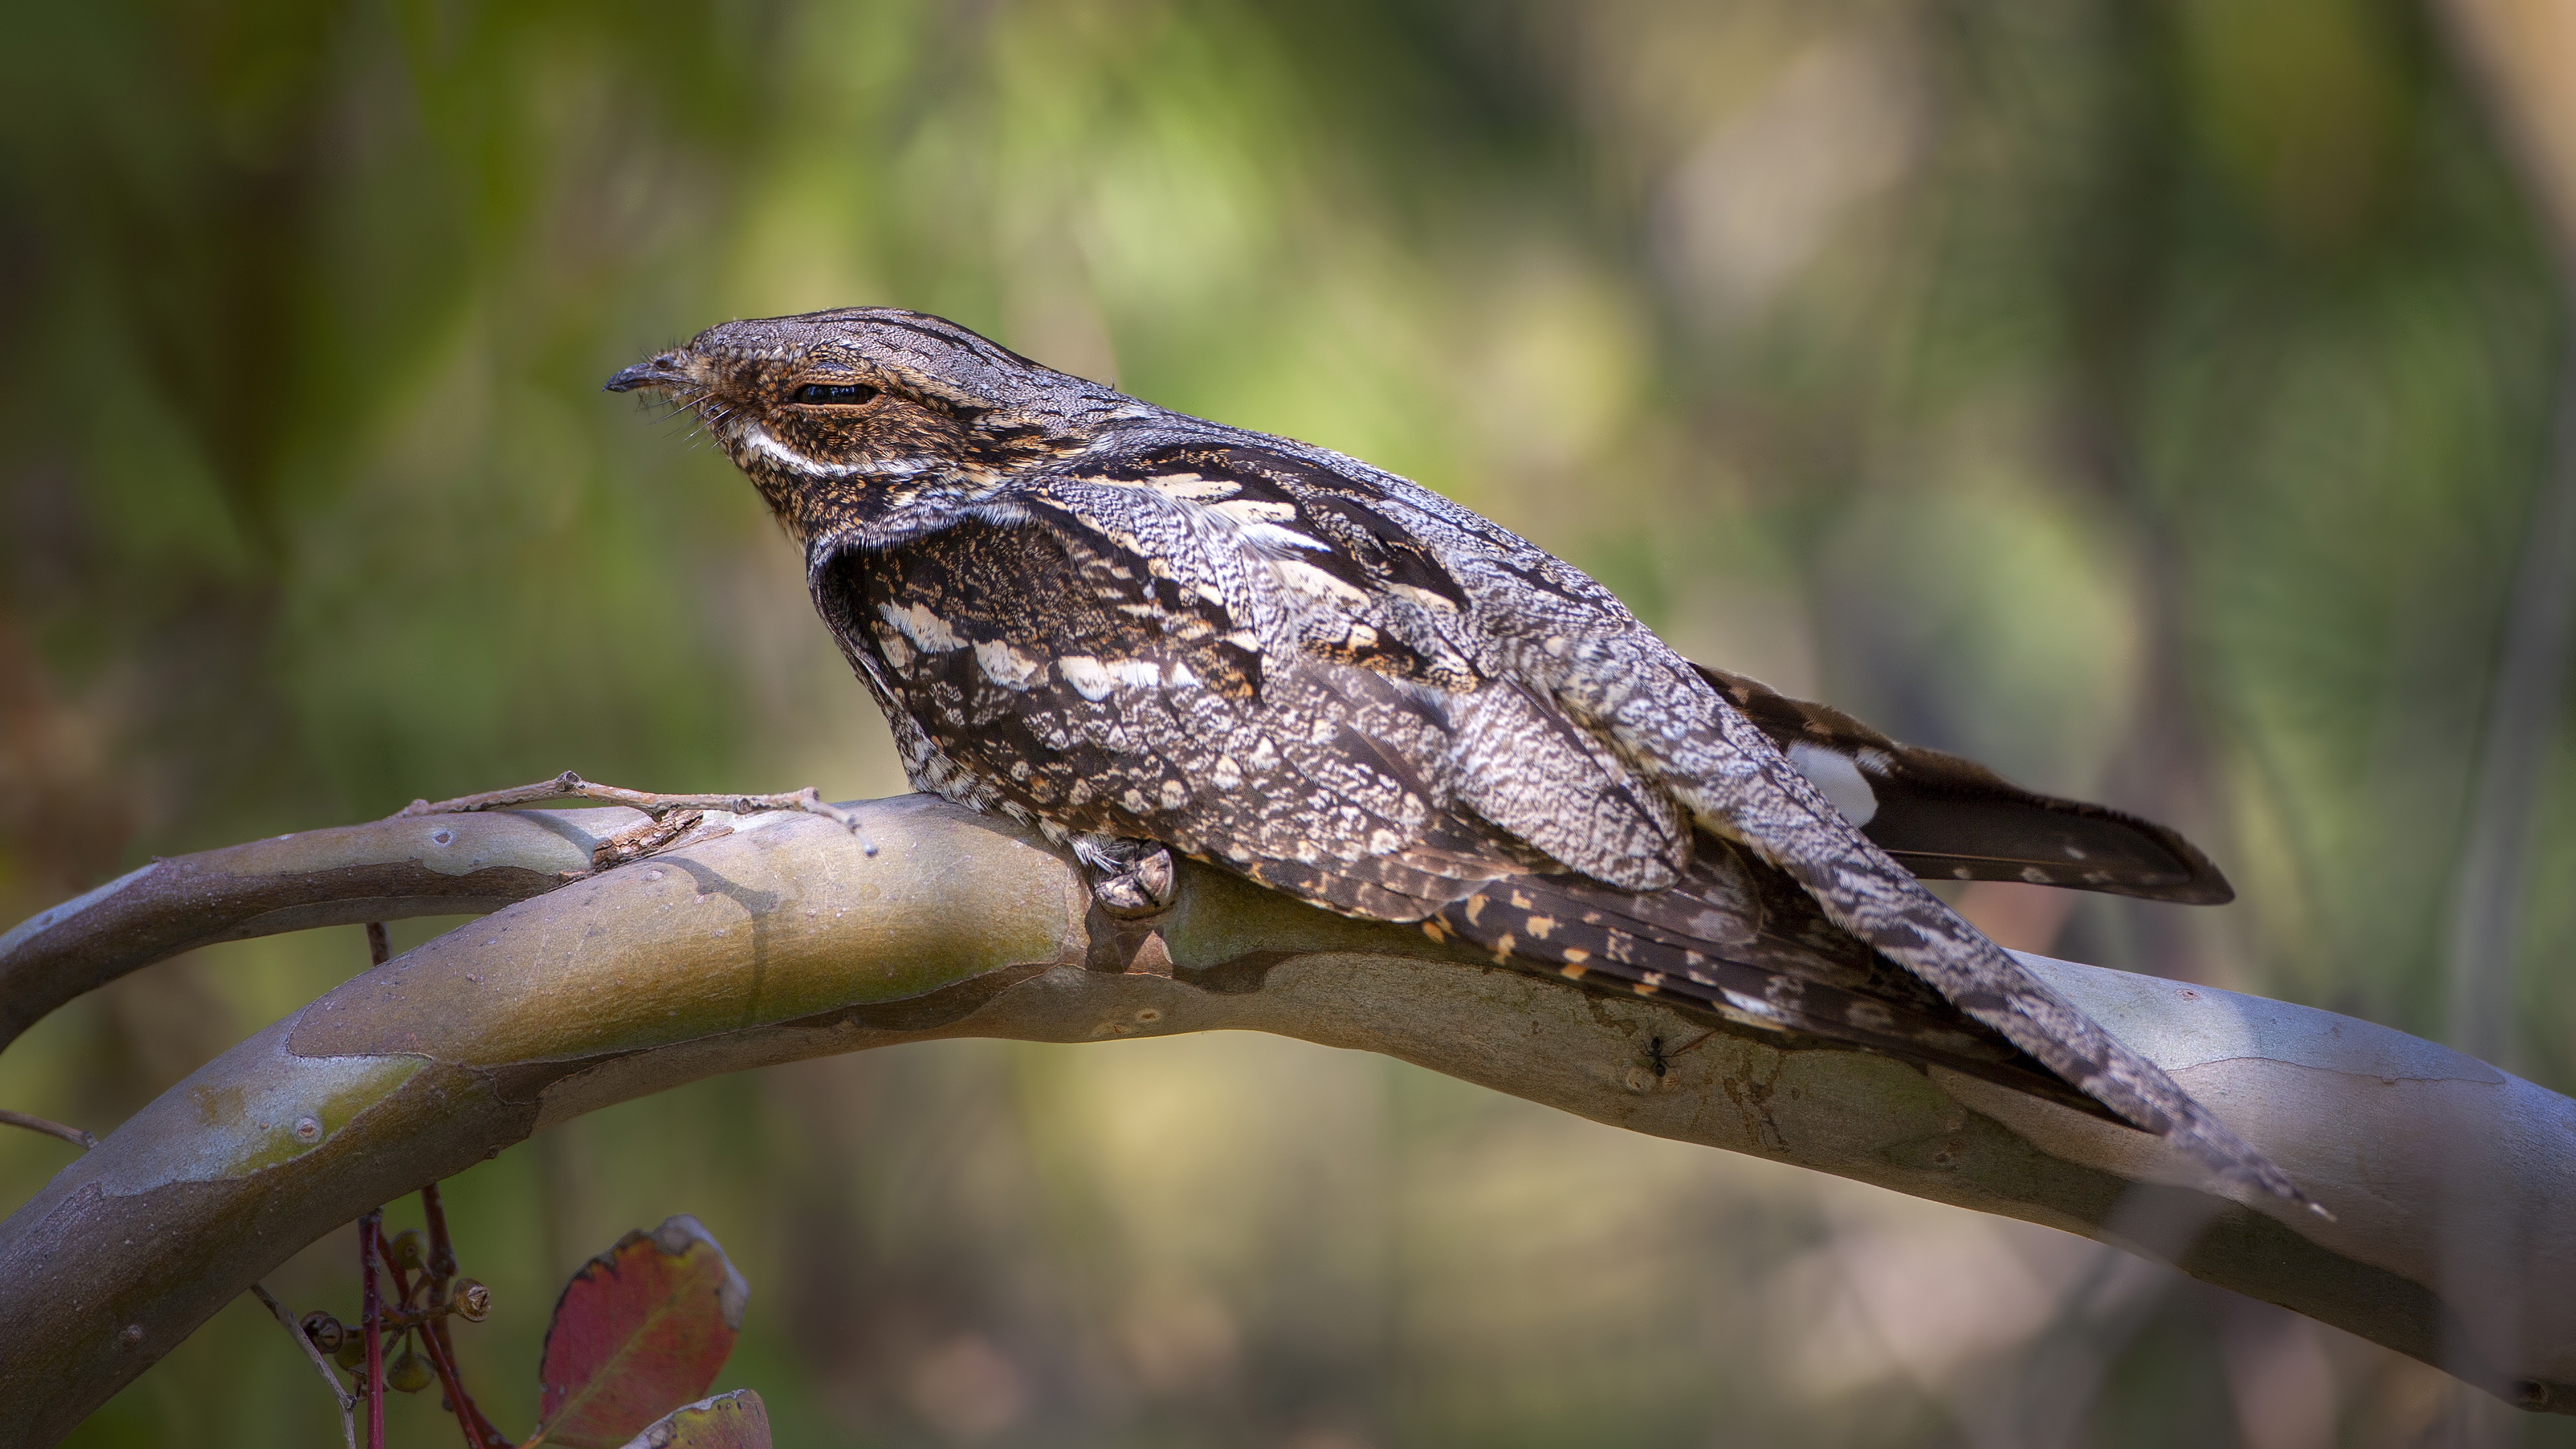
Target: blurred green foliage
(2146,399)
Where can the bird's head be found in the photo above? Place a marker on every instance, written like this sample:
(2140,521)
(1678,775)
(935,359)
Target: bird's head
(843,416)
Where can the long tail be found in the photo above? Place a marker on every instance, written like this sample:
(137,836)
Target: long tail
(1776,808)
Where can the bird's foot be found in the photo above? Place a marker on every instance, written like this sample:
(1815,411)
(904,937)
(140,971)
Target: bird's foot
(670,817)
(1129,879)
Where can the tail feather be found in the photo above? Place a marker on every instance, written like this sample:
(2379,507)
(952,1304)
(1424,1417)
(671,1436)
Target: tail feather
(1949,818)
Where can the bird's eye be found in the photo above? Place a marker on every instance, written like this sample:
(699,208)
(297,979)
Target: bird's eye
(835,392)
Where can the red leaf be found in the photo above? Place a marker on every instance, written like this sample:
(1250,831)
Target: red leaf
(639,1331)
(737,1420)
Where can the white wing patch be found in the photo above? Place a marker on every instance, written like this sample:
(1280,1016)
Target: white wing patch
(1085,675)
(927,631)
(1007,666)
(1314,583)
(1187,487)
(1264,524)
(1838,779)
(1271,535)
(1093,678)
(1254,510)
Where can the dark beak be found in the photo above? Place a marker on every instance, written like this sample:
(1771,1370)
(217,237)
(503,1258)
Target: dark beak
(665,372)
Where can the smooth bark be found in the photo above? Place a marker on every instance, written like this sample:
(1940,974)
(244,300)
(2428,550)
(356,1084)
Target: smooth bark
(782,940)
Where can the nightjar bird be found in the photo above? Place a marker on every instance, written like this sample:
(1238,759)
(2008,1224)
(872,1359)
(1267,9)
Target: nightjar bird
(1140,632)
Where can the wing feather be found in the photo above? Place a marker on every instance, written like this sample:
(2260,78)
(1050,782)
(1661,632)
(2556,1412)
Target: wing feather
(1950,818)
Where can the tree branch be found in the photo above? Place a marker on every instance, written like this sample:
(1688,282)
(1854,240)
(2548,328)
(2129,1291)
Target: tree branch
(782,941)
(436,865)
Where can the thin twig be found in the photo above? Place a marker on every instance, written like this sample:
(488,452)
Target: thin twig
(50,1128)
(402,1320)
(341,1396)
(442,1253)
(479,1431)
(372,1324)
(429,1322)
(572,786)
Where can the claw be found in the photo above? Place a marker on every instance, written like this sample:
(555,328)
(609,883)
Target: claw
(1131,888)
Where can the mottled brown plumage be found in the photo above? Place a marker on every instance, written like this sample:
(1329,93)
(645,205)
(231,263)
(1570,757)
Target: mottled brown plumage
(1133,629)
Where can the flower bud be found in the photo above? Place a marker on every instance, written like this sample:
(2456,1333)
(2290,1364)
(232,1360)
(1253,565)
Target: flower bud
(408,1250)
(324,1330)
(409,1374)
(471,1300)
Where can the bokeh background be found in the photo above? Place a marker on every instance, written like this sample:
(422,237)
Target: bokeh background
(2154,400)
